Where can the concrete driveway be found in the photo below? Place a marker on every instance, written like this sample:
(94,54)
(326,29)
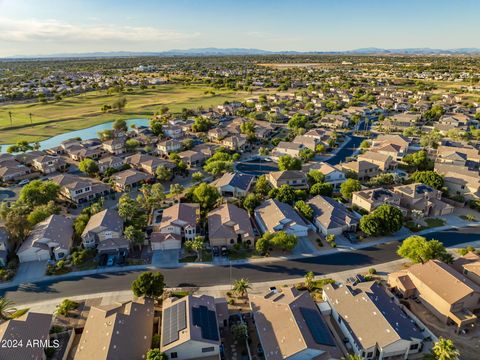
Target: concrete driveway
(30,271)
(165,258)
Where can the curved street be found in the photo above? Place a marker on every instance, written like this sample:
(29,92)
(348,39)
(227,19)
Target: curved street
(209,275)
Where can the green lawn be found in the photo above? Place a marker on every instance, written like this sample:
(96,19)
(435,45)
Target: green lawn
(82,111)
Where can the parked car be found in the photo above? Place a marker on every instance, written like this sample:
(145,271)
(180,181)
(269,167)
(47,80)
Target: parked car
(216,251)
(352,237)
(224,251)
(110,261)
(23,182)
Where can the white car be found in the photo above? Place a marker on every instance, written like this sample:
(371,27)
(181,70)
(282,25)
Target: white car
(24,182)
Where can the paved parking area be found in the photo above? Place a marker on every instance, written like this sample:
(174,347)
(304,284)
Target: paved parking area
(29,271)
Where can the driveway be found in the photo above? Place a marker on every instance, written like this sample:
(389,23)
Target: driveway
(32,270)
(165,258)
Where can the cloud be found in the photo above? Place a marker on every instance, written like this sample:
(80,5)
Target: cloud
(34,30)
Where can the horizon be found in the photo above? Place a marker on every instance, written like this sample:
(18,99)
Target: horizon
(53,27)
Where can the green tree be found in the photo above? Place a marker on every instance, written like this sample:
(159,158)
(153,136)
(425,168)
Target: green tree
(163,173)
(284,193)
(420,250)
(134,235)
(197,176)
(297,121)
(262,245)
(283,241)
(149,284)
(152,197)
(304,209)
(197,245)
(320,149)
(365,144)
(120,125)
(156,354)
(419,160)
(201,125)
(206,195)
(218,167)
(430,178)
(132,144)
(384,220)
(20,146)
(176,189)
(348,187)
(241,286)
(6,308)
(41,212)
(39,192)
(239,332)
(287,162)
(309,280)
(65,307)
(431,139)
(157,127)
(250,202)
(315,177)
(248,128)
(128,209)
(262,186)
(444,349)
(88,166)
(324,189)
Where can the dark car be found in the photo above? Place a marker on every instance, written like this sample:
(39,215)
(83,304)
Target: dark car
(216,251)
(352,237)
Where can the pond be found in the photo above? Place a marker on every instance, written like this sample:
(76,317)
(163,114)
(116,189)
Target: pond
(87,133)
(256,166)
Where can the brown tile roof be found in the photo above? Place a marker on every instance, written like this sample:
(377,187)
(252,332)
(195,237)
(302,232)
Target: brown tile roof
(227,221)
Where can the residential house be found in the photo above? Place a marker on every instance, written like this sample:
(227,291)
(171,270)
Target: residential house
(401,121)
(48,164)
(165,147)
(331,217)
(192,158)
(129,178)
(287,148)
(180,219)
(448,294)
(217,134)
(458,155)
(115,146)
(172,131)
(50,239)
(469,266)
(110,162)
(30,328)
(373,325)
(384,162)
(395,145)
(333,174)
(422,198)
(121,331)
(12,170)
(79,189)
(235,142)
(273,216)
(234,184)
(294,178)
(364,170)
(371,199)
(229,225)
(290,326)
(459,180)
(148,163)
(190,328)
(334,121)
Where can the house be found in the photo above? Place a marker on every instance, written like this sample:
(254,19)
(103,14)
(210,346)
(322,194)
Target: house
(79,189)
(192,158)
(11,171)
(373,325)
(234,184)
(294,178)
(4,246)
(422,198)
(458,155)
(167,146)
(148,163)
(180,219)
(165,241)
(287,148)
(334,121)
(129,178)
(371,199)
(115,146)
(273,216)
(333,174)
(217,134)
(448,294)
(172,131)
(190,328)
(391,144)
(235,142)
(121,331)
(104,230)
(459,180)
(364,170)
(110,162)
(384,162)
(25,330)
(49,239)
(290,326)
(469,266)
(48,164)
(229,225)
(401,121)
(331,217)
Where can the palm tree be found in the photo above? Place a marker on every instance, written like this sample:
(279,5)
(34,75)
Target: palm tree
(309,279)
(444,349)
(6,308)
(241,286)
(10,115)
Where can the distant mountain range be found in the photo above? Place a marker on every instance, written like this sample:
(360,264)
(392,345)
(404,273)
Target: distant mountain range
(242,51)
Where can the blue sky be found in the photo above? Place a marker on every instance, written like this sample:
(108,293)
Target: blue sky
(50,26)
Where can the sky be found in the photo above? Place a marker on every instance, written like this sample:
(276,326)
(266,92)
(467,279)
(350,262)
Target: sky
(40,27)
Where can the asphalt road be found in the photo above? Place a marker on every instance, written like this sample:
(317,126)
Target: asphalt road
(346,151)
(222,275)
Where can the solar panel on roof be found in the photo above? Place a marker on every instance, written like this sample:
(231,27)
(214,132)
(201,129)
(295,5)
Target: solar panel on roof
(207,321)
(174,321)
(317,327)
